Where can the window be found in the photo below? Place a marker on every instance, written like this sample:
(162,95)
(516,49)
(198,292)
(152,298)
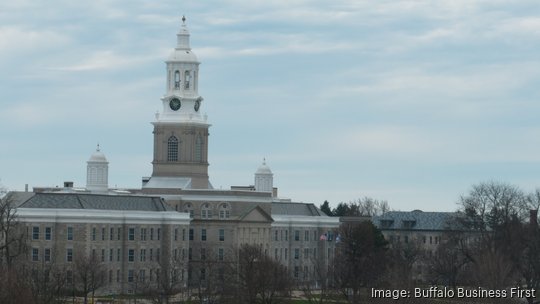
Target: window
(275,235)
(224,211)
(203,254)
(158,255)
(69,255)
(296,253)
(130,275)
(110,276)
(111,253)
(172,149)
(48,232)
(142,275)
(103,255)
(70,233)
(176,234)
(69,276)
(47,255)
(131,234)
(206,212)
(151,254)
(406,239)
(275,254)
(314,253)
(111,234)
(190,253)
(297,235)
(151,234)
(306,253)
(296,271)
(203,234)
(222,235)
(158,234)
(188,208)
(143,255)
(286,253)
(118,254)
(203,274)
(118,275)
(306,235)
(94,232)
(131,255)
(220,254)
(286,235)
(35,254)
(119,232)
(198,148)
(183,234)
(187,77)
(191,234)
(35,233)
(177,79)
(143,234)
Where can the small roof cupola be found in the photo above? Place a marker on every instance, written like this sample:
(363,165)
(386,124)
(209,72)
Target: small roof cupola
(264,178)
(97,172)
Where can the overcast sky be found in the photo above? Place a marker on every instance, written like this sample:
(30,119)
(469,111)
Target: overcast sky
(408,101)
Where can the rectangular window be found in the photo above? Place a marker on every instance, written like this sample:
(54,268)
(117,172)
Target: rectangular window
(111,234)
(69,255)
(158,255)
(286,253)
(314,253)
(275,254)
(70,233)
(111,253)
(102,255)
(103,234)
(191,232)
(220,254)
(151,234)
(35,233)
(286,235)
(183,234)
(110,276)
(35,254)
(158,234)
(190,253)
(306,235)
(118,276)
(296,271)
(47,256)
(297,235)
(151,254)
(131,234)
(143,234)
(203,254)
(296,253)
(143,255)
(203,234)
(142,275)
(222,235)
(130,275)
(48,232)
(176,234)
(131,255)
(69,276)
(118,254)
(119,234)
(306,253)
(94,232)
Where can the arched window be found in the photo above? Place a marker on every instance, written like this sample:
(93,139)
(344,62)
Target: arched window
(206,212)
(187,78)
(172,149)
(189,209)
(177,80)
(224,211)
(198,148)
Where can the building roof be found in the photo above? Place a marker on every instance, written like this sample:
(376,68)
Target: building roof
(414,220)
(304,209)
(91,201)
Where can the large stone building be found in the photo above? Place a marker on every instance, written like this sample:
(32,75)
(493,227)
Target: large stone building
(176,215)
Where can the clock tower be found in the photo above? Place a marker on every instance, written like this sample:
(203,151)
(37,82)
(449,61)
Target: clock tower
(180,131)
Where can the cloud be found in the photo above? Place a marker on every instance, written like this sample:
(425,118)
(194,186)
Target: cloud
(17,40)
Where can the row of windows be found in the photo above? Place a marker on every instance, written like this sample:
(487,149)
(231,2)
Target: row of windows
(116,233)
(283,235)
(204,235)
(432,240)
(36,233)
(173,148)
(223,211)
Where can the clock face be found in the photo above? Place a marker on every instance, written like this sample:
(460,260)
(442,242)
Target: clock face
(197,105)
(175,104)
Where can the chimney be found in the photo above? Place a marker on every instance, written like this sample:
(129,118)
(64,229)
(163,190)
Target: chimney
(533,220)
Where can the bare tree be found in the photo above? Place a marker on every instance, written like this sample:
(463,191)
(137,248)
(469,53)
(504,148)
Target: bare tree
(89,275)
(260,278)
(365,206)
(12,236)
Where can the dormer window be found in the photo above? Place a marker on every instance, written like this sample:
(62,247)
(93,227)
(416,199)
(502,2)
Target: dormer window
(177,80)
(187,78)
(224,211)
(386,223)
(189,209)
(408,224)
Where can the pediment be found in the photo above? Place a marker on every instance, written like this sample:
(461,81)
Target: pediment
(256,214)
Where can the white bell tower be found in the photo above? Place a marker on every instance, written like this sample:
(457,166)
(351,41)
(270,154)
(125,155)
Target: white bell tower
(180,131)
(264,178)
